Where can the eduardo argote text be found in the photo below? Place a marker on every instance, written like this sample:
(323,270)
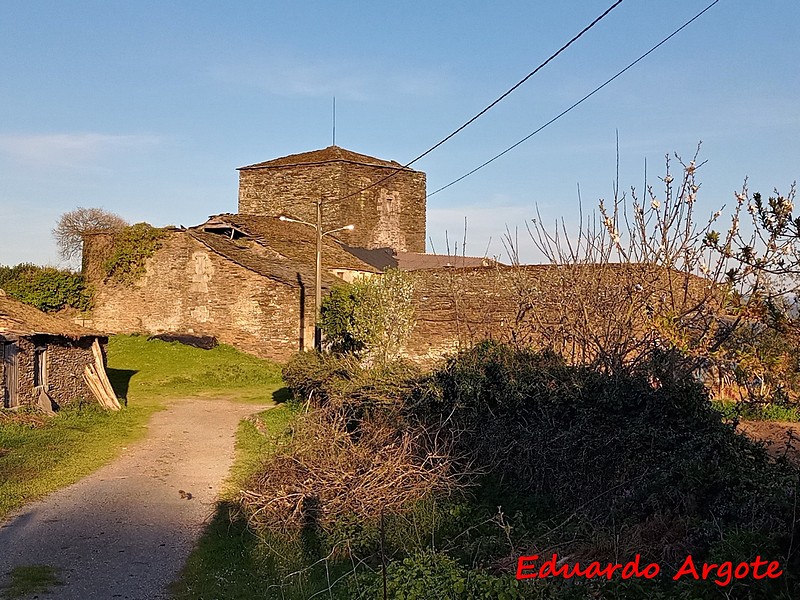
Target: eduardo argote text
(723,574)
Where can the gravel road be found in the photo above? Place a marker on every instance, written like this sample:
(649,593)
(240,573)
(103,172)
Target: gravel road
(126,531)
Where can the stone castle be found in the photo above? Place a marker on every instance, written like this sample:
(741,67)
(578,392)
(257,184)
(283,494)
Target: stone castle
(248,278)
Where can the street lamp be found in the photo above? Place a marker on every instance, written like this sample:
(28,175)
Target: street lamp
(318,275)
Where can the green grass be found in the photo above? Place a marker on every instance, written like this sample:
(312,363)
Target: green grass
(33,579)
(35,461)
(153,370)
(76,442)
(754,412)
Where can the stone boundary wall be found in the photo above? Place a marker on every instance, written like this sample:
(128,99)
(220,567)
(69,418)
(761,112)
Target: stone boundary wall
(458,307)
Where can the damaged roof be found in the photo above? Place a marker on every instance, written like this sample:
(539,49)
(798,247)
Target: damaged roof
(326,155)
(24,320)
(413,261)
(294,241)
(290,273)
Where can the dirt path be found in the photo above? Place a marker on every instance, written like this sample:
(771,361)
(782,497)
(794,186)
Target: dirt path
(125,531)
(780,438)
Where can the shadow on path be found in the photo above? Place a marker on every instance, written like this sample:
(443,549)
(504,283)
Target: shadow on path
(126,530)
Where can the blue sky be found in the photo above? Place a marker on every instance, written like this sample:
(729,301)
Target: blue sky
(147,108)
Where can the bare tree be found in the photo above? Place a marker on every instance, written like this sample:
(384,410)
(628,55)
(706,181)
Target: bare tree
(643,274)
(72,225)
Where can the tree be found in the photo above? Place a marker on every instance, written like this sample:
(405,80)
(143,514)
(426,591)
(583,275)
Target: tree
(73,225)
(644,276)
(370,317)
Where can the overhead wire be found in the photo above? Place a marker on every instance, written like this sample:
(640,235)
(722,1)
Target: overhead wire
(513,88)
(579,102)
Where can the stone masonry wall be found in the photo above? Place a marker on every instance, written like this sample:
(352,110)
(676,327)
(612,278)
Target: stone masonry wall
(65,362)
(391,214)
(457,307)
(188,288)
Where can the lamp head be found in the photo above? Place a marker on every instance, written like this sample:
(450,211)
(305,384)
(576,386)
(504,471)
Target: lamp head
(349,227)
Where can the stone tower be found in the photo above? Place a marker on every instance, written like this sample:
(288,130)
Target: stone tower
(390,213)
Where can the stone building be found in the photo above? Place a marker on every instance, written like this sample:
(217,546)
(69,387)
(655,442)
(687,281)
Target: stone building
(384,200)
(43,357)
(246,280)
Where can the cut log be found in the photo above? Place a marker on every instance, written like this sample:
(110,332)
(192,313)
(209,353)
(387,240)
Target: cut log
(95,385)
(102,378)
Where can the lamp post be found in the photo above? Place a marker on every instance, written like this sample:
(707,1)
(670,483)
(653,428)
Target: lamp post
(318,274)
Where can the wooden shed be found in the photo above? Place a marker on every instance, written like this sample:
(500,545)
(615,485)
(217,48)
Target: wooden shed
(44,358)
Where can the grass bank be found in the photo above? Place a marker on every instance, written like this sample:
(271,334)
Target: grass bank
(40,455)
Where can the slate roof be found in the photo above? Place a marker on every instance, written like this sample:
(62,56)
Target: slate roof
(386,258)
(326,155)
(295,241)
(287,272)
(25,320)
(379,258)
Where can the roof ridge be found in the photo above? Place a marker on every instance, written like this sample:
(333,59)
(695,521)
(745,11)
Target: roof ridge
(326,155)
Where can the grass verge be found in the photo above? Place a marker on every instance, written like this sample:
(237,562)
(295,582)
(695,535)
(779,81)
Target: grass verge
(756,412)
(38,456)
(147,371)
(32,579)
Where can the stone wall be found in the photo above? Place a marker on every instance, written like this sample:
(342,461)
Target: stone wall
(97,249)
(559,307)
(454,308)
(391,214)
(187,288)
(65,361)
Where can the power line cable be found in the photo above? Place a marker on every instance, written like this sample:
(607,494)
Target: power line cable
(579,102)
(493,104)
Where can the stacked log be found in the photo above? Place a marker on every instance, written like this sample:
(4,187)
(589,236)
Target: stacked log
(97,380)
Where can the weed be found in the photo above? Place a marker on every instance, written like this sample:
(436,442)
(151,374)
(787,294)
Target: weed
(31,579)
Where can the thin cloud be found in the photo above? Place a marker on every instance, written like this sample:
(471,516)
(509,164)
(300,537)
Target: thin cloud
(67,149)
(341,78)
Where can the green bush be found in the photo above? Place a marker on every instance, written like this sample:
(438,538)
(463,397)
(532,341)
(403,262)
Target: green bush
(628,449)
(429,574)
(599,466)
(47,288)
(133,245)
(370,318)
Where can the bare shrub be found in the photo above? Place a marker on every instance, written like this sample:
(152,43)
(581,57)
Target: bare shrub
(644,274)
(336,466)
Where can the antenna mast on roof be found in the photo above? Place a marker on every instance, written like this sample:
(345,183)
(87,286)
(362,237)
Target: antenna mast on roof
(334,121)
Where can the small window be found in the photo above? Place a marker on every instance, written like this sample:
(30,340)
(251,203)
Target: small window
(40,366)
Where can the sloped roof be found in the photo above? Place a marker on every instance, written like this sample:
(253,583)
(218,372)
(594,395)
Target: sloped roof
(25,320)
(413,261)
(379,258)
(326,155)
(290,273)
(295,241)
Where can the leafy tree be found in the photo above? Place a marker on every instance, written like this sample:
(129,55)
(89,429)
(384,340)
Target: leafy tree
(371,318)
(72,226)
